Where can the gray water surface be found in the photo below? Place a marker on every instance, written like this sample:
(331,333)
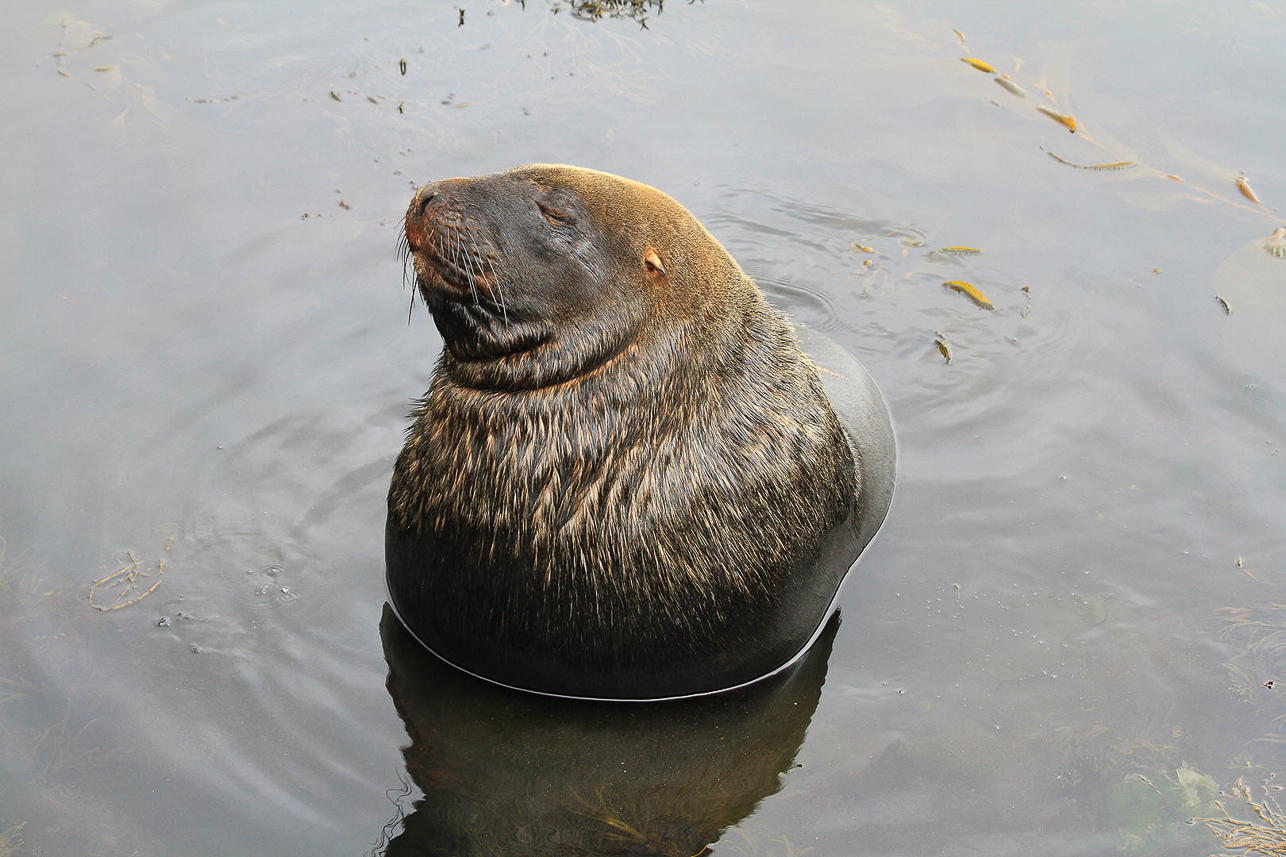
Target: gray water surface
(1060,642)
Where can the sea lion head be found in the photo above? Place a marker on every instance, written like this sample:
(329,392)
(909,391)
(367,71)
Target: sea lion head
(544,273)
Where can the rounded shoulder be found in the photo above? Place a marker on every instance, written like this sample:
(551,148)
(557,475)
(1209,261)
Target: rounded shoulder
(867,424)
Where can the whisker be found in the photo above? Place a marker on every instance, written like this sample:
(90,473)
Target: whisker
(403,244)
(404,256)
(500,295)
(460,253)
(475,269)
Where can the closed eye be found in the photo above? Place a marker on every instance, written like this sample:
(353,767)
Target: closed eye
(553,215)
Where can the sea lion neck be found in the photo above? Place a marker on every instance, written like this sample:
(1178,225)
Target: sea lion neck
(553,360)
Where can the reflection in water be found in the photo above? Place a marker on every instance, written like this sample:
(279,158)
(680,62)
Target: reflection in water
(509,773)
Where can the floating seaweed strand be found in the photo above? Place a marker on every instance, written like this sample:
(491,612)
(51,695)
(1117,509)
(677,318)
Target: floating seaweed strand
(1118,165)
(1067,120)
(1266,836)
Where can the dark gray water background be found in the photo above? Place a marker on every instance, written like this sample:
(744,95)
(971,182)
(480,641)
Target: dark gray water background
(205,361)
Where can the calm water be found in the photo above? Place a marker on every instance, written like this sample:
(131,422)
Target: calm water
(1060,642)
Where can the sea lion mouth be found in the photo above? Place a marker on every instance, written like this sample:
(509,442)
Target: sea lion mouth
(447,261)
(433,270)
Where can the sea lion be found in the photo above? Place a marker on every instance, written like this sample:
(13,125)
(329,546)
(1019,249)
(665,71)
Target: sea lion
(625,481)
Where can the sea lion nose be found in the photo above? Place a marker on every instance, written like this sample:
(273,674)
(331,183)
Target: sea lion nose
(420,204)
(433,192)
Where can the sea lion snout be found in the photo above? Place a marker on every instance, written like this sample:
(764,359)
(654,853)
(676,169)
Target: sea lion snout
(424,209)
(449,246)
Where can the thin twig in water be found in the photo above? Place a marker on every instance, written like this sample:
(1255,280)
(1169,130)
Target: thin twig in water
(128,574)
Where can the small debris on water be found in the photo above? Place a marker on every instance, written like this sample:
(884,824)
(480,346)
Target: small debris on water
(1275,244)
(1007,83)
(943,346)
(1064,119)
(1244,186)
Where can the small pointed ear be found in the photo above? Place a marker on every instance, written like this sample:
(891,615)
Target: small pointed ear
(653,261)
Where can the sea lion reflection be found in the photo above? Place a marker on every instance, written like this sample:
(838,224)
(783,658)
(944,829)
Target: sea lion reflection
(508,773)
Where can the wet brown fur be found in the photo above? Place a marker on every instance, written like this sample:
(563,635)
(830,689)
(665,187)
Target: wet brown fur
(619,482)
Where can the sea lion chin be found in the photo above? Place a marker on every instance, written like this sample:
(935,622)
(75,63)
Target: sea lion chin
(626,481)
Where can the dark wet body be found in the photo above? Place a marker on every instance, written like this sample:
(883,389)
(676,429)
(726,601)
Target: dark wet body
(624,481)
